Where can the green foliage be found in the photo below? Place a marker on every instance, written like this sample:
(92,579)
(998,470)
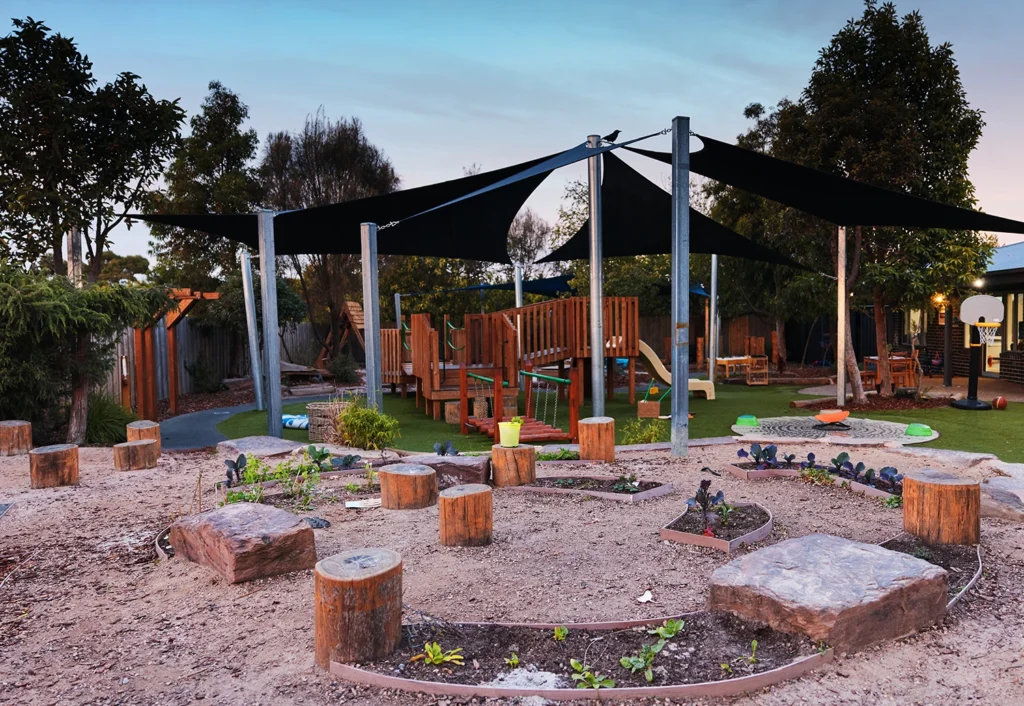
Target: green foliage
(817,475)
(893,502)
(344,369)
(752,657)
(123,269)
(645,431)
(366,428)
(644,662)
(560,455)
(252,494)
(512,661)
(229,310)
(106,421)
(587,679)
(297,479)
(626,484)
(204,376)
(433,654)
(668,629)
(561,632)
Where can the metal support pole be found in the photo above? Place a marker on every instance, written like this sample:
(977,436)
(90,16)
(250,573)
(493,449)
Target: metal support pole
(841,318)
(398,311)
(519,322)
(371,314)
(249,294)
(713,338)
(74,262)
(680,285)
(597,350)
(947,353)
(271,346)
(519,285)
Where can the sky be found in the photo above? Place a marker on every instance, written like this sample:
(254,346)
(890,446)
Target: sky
(442,85)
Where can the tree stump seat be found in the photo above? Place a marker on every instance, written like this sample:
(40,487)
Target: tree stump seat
(136,455)
(15,437)
(513,465)
(407,486)
(52,466)
(466,515)
(597,439)
(145,429)
(942,508)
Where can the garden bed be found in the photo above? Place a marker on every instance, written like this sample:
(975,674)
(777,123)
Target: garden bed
(688,664)
(961,561)
(604,487)
(748,523)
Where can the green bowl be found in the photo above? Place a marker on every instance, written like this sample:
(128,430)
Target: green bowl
(919,430)
(747,420)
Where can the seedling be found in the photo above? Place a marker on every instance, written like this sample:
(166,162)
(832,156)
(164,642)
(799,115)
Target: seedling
(433,654)
(763,457)
(644,661)
(560,633)
(235,467)
(516,420)
(320,457)
(811,462)
(707,503)
(893,478)
(560,455)
(345,462)
(752,659)
(445,448)
(726,668)
(565,482)
(353,487)
(725,511)
(627,484)
(838,462)
(587,679)
(668,629)
(816,475)
(512,661)
(893,502)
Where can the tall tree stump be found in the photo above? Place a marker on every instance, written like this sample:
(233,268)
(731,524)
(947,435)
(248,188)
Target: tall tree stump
(136,455)
(466,514)
(941,508)
(513,465)
(15,437)
(358,606)
(597,439)
(407,486)
(145,429)
(51,466)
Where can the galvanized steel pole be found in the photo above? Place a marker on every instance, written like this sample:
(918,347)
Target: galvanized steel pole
(271,346)
(519,285)
(398,311)
(596,283)
(947,348)
(371,315)
(841,318)
(680,285)
(249,294)
(713,342)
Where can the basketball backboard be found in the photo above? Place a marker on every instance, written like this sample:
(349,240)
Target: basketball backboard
(981,307)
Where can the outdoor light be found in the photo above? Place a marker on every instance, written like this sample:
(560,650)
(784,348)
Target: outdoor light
(979,283)
(938,299)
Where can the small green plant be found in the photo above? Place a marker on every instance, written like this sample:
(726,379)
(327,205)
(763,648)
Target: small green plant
(369,474)
(707,503)
(516,420)
(366,428)
(626,484)
(668,629)
(445,448)
(345,462)
(752,657)
(565,483)
(560,455)
(838,462)
(587,679)
(235,469)
(817,475)
(344,369)
(726,668)
(725,511)
(644,661)
(512,661)
(353,488)
(893,502)
(253,494)
(433,654)
(106,420)
(560,633)
(645,431)
(764,457)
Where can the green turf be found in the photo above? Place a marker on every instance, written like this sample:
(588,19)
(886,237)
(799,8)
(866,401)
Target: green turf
(986,432)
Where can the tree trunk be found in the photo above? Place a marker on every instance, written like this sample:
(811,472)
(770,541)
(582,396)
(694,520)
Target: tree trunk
(780,339)
(79,393)
(882,345)
(852,371)
(807,344)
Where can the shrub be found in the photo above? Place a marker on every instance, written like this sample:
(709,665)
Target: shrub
(106,421)
(204,376)
(645,431)
(366,428)
(345,369)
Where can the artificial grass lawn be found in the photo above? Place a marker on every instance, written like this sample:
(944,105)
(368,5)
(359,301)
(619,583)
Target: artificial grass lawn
(982,432)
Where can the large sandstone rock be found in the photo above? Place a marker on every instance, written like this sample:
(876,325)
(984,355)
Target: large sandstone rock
(846,593)
(261,446)
(1003,498)
(245,541)
(455,470)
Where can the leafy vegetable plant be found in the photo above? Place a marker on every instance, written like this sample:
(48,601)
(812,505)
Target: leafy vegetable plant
(668,629)
(561,632)
(433,654)
(445,448)
(838,462)
(236,467)
(627,484)
(345,462)
(764,457)
(587,679)
(752,658)
(512,661)
(644,661)
(560,455)
(893,501)
(707,503)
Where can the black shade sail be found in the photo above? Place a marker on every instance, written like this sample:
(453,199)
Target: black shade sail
(833,198)
(637,220)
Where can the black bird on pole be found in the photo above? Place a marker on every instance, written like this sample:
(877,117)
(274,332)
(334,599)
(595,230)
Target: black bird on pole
(611,137)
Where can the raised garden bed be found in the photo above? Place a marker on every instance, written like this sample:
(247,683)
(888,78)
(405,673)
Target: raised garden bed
(688,665)
(961,561)
(752,471)
(604,487)
(748,523)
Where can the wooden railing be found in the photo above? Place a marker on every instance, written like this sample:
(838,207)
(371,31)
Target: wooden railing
(391,356)
(560,329)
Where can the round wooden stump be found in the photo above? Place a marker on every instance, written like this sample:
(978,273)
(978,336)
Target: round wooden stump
(597,439)
(136,455)
(51,466)
(15,438)
(513,465)
(467,515)
(407,486)
(145,429)
(941,508)
(358,606)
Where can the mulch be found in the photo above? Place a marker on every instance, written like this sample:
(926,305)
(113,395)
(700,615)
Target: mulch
(959,560)
(604,486)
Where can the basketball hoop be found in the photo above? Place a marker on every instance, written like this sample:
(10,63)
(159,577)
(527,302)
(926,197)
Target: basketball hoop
(988,331)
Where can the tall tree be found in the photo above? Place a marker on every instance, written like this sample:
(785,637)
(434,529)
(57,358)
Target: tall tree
(117,268)
(211,172)
(887,107)
(327,162)
(72,155)
(529,237)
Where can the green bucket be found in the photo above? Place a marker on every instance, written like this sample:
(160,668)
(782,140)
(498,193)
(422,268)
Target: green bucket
(919,430)
(747,420)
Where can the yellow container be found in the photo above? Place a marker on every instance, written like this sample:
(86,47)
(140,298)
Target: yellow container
(509,433)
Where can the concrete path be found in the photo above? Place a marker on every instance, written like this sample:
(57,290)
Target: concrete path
(987,389)
(198,430)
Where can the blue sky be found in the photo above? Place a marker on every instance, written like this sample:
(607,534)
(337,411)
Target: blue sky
(442,85)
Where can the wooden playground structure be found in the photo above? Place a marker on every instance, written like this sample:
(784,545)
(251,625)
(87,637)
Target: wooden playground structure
(541,347)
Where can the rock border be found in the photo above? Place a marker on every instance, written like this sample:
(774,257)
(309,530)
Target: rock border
(726,545)
(663,489)
(725,687)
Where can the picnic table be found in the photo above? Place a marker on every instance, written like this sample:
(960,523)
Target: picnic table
(731,362)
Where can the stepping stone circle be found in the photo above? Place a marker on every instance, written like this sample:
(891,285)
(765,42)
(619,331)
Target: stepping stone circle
(245,541)
(848,594)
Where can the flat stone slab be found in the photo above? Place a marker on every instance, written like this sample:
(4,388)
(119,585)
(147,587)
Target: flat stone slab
(261,446)
(1003,498)
(455,470)
(245,541)
(848,594)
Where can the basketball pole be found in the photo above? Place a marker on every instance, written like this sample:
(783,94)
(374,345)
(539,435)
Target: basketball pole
(971,402)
